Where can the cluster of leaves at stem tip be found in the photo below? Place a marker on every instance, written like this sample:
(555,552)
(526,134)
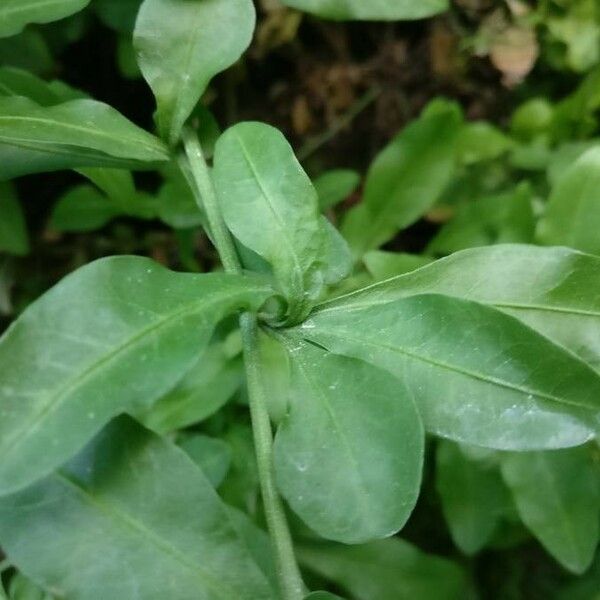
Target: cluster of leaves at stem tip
(495,349)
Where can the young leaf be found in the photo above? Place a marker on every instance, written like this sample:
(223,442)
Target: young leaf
(17,82)
(75,134)
(16,14)
(348,457)
(271,207)
(182,45)
(405,179)
(572,217)
(130,517)
(553,290)
(373,10)
(383,265)
(473,497)
(389,569)
(557,497)
(334,186)
(13,232)
(108,338)
(479,376)
(82,208)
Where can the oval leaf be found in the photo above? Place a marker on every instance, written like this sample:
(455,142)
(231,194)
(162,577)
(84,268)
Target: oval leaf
(78,133)
(348,457)
(116,334)
(271,207)
(130,517)
(182,45)
(371,10)
(16,14)
(479,376)
(556,494)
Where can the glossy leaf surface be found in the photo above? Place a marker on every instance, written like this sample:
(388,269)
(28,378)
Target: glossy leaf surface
(78,133)
(16,14)
(182,45)
(271,207)
(557,496)
(378,10)
(405,179)
(550,289)
(479,376)
(389,569)
(115,335)
(130,517)
(348,457)
(473,497)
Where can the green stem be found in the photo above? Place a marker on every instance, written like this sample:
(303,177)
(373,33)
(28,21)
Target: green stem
(288,573)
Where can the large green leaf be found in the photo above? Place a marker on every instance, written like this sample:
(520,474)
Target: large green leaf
(182,45)
(13,232)
(386,570)
(131,516)
(367,10)
(405,179)
(271,207)
(479,376)
(557,496)
(115,335)
(553,290)
(348,457)
(79,133)
(16,14)
(572,217)
(473,497)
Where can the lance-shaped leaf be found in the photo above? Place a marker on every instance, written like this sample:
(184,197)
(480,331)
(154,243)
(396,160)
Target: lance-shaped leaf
(572,217)
(405,179)
(553,290)
(116,334)
(348,457)
(389,569)
(557,497)
(16,14)
(271,207)
(479,376)
(79,133)
(182,45)
(131,516)
(473,496)
(13,232)
(375,10)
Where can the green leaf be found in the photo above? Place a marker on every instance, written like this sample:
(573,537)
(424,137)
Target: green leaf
(212,455)
(17,82)
(271,207)
(501,218)
(334,186)
(322,596)
(29,50)
(405,180)
(553,290)
(348,457)
(79,133)
(119,15)
(557,496)
(572,217)
(208,385)
(176,204)
(383,265)
(113,336)
(22,588)
(389,569)
(481,141)
(82,208)
(130,516)
(336,254)
(13,232)
(473,497)
(182,45)
(16,14)
(479,376)
(373,10)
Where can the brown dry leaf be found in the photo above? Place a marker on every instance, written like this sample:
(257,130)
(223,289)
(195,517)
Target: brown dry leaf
(443,50)
(279,27)
(302,119)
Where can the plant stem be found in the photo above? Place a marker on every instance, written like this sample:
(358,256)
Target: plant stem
(288,572)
